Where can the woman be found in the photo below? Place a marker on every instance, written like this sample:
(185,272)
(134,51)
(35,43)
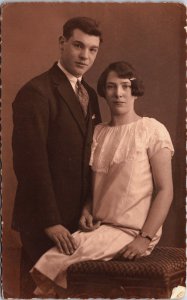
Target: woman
(129,155)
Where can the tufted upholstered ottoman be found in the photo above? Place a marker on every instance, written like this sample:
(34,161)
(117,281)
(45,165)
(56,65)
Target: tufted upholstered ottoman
(153,276)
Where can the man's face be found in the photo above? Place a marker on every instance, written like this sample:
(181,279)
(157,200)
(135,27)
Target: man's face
(79,52)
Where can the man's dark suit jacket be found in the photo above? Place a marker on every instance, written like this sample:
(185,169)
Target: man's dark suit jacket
(51,151)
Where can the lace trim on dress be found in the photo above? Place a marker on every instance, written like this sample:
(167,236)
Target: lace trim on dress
(114,145)
(133,141)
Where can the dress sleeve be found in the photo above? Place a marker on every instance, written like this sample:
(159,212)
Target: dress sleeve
(159,138)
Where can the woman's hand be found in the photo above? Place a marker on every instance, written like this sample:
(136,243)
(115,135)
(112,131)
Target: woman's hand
(86,222)
(135,249)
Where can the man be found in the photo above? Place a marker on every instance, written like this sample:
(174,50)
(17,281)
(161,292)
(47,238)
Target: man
(54,116)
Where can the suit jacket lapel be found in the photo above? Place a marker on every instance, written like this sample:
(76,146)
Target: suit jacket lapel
(89,124)
(66,91)
(90,121)
(71,100)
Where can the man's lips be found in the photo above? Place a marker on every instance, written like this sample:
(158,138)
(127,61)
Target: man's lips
(81,64)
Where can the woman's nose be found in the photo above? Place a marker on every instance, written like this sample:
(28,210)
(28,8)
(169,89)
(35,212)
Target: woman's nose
(119,91)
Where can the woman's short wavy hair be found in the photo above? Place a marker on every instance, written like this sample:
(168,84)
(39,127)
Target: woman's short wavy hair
(123,70)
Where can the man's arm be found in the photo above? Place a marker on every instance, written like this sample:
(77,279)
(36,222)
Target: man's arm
(31,165)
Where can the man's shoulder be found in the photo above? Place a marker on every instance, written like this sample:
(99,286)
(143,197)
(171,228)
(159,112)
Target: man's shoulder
(37,82)
(40,85)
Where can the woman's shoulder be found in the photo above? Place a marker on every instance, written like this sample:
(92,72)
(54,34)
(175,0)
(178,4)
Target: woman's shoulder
(158,136)
(152,122)
(152,125)
(103,124)
(98,128)
(156,131)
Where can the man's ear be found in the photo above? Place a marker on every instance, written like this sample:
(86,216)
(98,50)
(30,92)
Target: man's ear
(61,42)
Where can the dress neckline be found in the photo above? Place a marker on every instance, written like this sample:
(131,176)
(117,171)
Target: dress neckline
(124,125)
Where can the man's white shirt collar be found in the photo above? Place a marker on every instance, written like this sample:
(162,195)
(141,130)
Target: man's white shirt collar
(72,79)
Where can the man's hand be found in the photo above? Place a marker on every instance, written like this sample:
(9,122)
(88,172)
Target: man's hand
(134,249)
(86,223)
(62,238)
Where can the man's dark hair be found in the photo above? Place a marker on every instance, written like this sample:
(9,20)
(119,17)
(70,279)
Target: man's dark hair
(87,25)
(123,70)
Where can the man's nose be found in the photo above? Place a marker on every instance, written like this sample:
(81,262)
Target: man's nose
(84,54)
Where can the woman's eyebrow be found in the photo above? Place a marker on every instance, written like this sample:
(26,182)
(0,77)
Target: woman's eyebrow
(111,82)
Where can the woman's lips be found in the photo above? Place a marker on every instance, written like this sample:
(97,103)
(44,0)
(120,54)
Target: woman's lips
(119,102)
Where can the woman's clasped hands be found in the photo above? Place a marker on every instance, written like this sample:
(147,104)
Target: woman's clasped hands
(87,223)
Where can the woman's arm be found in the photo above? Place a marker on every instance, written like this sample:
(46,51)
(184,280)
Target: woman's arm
(162,175)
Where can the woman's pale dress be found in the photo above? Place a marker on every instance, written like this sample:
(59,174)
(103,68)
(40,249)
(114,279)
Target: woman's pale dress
(122,194)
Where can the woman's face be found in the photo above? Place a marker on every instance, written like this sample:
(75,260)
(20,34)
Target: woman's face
(118,94)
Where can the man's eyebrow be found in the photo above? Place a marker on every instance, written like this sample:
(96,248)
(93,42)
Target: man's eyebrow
(94,46)
(83,44)
(77,41)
